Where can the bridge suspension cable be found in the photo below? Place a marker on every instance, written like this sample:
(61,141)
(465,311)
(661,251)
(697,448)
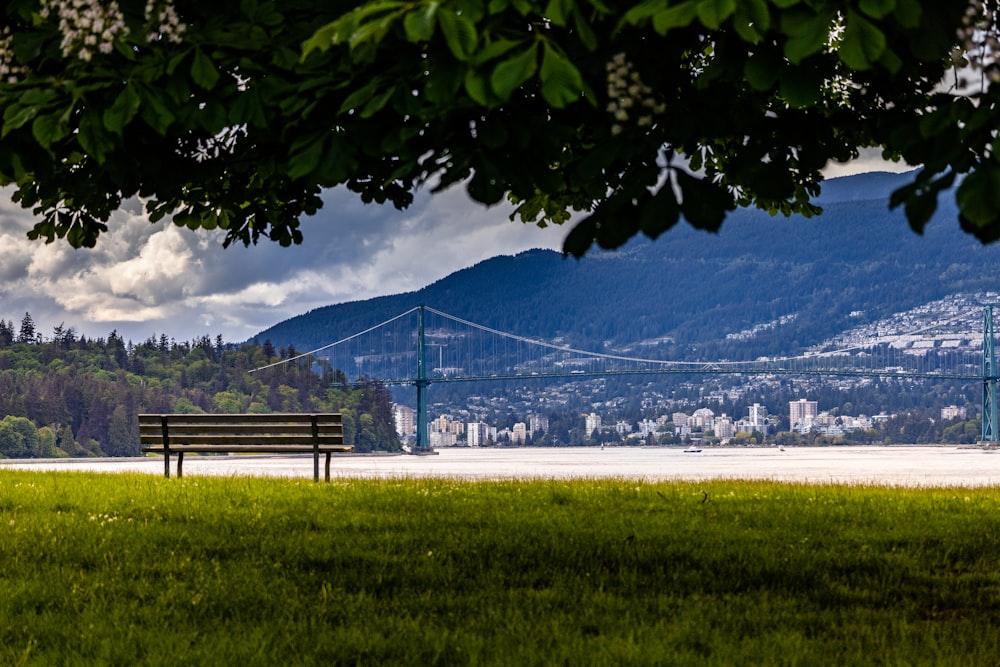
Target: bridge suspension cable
(339,342)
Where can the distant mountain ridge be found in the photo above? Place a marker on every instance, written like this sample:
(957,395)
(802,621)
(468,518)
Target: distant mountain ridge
(813,275)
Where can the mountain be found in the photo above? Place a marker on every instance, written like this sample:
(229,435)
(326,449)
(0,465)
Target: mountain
(794,281)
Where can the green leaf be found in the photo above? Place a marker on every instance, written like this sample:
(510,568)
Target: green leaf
(38,96)
(203,70)
(584,31)
(752,20)
(510,74)
(305,157)
(678,16)
(360,96)
(486,188)
(704,204)
(644,11)
(660,213)
(978,196)
(808,33)
(712,13)
(249,109)
(419,23)
(558,11)
(123,110)
(801,87)
(562,83)
(93,138)
(477,86)
(459,33)
(324,38)
(153,110)
(49,129)
(581,237)
(762,70)
(16,116)
(863,42)
(186,218)
(377,102)
(494,49)
(908,13)
(877,8)
(443,82)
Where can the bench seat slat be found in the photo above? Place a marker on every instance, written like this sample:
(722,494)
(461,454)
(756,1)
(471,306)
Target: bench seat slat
(260,449)
(222,440)
(256,418)
(178,431)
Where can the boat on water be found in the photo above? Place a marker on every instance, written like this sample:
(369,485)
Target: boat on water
(692,450)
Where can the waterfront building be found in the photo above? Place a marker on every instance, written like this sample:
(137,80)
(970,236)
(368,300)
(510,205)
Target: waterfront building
(405,421)
(476,434)
(538,424)
(759,421)
(723,427)
(802,415)
(592,422)
(519,434)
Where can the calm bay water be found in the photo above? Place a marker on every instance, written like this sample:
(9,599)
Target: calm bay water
(901,466)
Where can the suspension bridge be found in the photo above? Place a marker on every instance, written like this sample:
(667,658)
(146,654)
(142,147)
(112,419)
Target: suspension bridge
(423,346)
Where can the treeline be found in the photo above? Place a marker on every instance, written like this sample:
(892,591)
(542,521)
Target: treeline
(67,395)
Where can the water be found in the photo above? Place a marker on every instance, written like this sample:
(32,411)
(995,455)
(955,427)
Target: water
(897,466)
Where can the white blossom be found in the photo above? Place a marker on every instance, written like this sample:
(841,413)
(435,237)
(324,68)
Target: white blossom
(627,91)
(85,24)
(89,27)
(10,70)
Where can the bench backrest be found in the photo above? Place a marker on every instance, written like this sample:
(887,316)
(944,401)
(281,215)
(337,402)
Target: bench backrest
(232,429)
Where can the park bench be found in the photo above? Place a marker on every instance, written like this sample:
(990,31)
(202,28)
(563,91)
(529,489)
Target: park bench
(271,433)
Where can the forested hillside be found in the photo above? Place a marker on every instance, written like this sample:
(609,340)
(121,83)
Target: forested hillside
(853,264)
(67,395)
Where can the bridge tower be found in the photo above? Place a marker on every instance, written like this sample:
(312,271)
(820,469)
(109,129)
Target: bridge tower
(989,379)
(422,444)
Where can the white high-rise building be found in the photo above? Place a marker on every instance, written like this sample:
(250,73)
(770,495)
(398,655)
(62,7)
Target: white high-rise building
(404,418)
(723,427)
(592,423)
(802,414)
(538,424)
(476,433)
(758,418)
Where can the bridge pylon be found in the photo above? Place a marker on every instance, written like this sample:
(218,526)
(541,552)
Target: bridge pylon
(989,379)
(422,444)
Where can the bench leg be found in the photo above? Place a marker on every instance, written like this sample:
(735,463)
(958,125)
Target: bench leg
(328,466)
(180,464)
(166,463)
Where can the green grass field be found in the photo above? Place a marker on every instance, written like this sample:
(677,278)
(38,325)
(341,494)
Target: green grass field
(133,569)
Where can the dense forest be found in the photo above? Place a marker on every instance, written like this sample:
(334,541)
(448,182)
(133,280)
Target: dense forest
(67,395)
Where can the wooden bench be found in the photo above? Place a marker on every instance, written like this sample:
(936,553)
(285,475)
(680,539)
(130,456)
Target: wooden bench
(271,433)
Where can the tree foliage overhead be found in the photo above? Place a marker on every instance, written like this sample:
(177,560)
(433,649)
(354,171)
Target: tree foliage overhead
(235,115)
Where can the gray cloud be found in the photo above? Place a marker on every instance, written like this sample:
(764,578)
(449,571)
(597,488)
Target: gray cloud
(145,279)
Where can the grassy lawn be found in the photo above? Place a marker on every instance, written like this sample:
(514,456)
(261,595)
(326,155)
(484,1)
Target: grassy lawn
(137,569)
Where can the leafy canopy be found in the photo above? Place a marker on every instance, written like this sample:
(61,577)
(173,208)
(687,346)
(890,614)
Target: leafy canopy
(236,114)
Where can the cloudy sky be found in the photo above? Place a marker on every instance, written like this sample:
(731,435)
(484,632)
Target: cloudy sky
(143,280)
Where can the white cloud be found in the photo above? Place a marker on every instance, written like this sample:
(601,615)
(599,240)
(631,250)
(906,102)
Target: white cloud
(144,279)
